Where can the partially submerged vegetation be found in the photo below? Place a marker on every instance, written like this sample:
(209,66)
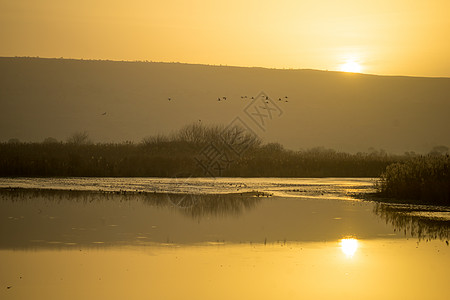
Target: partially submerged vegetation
(423,179)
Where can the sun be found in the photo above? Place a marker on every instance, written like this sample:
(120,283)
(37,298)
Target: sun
(351,66)
(349,246)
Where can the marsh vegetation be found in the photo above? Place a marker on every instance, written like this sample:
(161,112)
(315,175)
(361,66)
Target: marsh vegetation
(174,155)
(403,178)
(423,179)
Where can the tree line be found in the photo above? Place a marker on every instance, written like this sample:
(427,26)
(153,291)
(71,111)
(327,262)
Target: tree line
(228,151)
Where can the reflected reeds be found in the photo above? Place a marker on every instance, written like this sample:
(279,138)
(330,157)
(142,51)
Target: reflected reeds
(421,222)
(193,205)
(202,205)
(39,218)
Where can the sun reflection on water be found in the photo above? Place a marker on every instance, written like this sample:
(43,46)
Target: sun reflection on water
(349,246)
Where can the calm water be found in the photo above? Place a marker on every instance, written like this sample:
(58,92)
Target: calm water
(217,239)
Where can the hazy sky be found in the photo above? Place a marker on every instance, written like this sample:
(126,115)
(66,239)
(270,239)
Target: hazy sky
(401,37)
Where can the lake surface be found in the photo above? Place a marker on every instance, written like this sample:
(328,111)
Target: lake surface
(227,238)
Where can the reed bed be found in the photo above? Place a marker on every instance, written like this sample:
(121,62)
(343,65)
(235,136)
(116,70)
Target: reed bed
(423,179)
(176,155)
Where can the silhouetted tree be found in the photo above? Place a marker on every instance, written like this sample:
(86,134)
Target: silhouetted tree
(439,150)
(79,138)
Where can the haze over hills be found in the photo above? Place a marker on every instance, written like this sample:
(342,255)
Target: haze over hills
(42,98)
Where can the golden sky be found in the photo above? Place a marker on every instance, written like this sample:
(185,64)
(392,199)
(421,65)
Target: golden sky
(394,37)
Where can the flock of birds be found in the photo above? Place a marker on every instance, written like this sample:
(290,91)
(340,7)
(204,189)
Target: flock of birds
(224,98)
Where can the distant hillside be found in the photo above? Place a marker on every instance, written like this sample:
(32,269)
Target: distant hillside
(42,98)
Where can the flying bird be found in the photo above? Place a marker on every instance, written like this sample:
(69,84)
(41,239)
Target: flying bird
(104,114)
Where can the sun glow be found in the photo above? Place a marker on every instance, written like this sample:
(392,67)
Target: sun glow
(349,246)
(351,66)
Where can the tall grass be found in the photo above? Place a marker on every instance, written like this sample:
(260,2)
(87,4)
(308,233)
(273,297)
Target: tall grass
(424,179)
